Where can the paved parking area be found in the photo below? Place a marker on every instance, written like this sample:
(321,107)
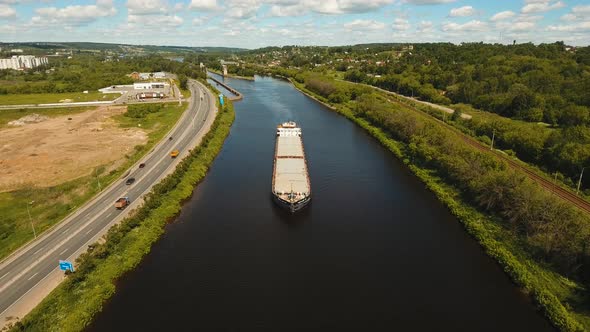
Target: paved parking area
(129,94)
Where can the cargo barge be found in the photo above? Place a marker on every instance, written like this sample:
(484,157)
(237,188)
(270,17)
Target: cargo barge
(291,188)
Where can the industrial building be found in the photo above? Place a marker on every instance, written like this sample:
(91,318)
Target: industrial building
(146,76)
(150,85)
(20,62)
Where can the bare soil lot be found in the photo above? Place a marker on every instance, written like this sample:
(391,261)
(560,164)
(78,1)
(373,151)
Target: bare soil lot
(58,149)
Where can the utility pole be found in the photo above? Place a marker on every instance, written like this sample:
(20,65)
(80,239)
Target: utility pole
(97,180)
(580,180)
(493,136)
(31,219)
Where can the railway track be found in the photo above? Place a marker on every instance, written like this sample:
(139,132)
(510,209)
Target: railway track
(564,194)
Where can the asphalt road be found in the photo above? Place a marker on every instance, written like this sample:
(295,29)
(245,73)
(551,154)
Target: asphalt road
(24,270)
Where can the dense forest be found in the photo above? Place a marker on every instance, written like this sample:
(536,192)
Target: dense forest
(533,83)
(88,72)
(524,82)
(546,83)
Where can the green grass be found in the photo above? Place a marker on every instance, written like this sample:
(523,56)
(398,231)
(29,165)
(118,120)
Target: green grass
(73,304)
(14,114)
(46,98)
(52,204)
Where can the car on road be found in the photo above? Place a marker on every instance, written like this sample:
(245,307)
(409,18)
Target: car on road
(122,202)
(142,165)
(174,153)
(130,181)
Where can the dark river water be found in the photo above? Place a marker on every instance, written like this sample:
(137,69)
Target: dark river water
(375,251)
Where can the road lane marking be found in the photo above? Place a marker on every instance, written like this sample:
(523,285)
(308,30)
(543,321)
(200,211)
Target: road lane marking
(90,230)
(31,277)
(4,275)
(66,249)
(184,132)
(38,250)
(65,231)
(28,291)
(108,215)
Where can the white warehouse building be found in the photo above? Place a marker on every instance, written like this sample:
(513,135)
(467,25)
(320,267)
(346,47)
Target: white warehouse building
(150,85)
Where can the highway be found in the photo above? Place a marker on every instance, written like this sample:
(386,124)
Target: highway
(23,272)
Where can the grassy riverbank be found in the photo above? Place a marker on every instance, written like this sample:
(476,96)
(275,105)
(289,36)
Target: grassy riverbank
(47,98)
(52,204)
(561,300)
(72,305)
(7,115)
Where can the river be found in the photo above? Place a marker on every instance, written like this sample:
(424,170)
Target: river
(374,251)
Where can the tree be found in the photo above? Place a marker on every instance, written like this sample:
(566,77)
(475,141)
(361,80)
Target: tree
(574,115)
(183,80)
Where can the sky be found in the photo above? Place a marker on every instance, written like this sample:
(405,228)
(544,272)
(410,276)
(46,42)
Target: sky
(259,23)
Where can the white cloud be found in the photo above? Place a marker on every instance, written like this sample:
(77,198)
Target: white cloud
(581,10)
(203,5)
(73,15)
(154,20)
(425,26)
(539,6)
(146,7)
(290,10)
(241,9)
(200,20)
(502,15)
(577,13)
(364,25)
(428,2)
(361,6)
(576,27)
(7,11)
(329,7)
(400,24)
(474,25)
(521,23)
(462,11)
(521,26)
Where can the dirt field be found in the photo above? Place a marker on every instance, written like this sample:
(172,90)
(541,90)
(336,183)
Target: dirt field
(56,150)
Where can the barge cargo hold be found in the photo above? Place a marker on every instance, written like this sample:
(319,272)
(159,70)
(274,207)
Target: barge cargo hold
(291,188)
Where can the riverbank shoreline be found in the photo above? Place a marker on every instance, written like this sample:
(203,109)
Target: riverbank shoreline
(476,224)
(82,295)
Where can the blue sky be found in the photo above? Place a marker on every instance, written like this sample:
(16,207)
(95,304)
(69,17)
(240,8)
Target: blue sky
(258,23)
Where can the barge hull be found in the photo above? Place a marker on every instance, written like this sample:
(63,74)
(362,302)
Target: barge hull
(291,187)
